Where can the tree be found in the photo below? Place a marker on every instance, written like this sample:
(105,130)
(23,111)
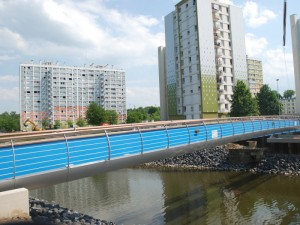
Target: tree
(95,114)
(268,101)
(134,117)
(57,124)
(9,122)
(81,122)
(243,104)
(288,94)
(112,116)
(45,123)
(70,123)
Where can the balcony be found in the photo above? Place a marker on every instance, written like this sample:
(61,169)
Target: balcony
(216,15)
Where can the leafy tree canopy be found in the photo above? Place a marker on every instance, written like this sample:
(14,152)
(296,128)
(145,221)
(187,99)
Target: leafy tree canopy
(243,104)
(288,94)
(9,122)
(141,114)
(268,101)
(112,116)
(95,114)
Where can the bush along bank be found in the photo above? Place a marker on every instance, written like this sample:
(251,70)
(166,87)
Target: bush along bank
(43,212)
(216,159)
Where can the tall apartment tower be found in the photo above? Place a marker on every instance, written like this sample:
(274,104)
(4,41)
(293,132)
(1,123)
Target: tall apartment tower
(255,75)
(295,30)
(53,92)
(205,55)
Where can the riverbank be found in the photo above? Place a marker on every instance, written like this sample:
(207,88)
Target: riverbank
(216,159)
(43,212)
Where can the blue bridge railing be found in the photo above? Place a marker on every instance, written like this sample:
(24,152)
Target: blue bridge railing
(33,153)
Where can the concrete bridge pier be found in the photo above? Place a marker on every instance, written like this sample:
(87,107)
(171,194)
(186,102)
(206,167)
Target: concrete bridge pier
(14,204)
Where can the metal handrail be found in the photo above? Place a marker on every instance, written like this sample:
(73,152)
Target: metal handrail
(87,151)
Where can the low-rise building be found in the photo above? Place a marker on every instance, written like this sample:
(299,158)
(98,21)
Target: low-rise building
(288,106)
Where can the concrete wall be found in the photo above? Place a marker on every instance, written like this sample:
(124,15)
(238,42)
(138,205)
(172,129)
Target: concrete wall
(14,203)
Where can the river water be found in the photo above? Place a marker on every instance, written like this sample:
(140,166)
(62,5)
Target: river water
(148,196)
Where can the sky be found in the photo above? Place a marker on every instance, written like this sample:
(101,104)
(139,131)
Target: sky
(125,34)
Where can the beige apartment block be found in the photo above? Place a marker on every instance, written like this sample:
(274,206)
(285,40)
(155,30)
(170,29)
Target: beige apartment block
(255,75)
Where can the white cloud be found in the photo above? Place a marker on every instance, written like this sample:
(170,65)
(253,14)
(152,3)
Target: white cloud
(142,96)
(11,94)
(11,40)
(255,45)
(85,30)
(6,57)
(255,16)
(8,78)
(279,66)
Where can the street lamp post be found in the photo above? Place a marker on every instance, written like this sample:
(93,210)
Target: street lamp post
(278,98)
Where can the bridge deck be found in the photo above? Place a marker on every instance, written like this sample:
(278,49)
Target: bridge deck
(29,154)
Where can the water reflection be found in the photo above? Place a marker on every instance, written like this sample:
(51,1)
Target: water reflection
(138,196)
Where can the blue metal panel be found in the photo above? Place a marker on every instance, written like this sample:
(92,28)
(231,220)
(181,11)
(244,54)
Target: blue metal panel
(35,158)
(87,150)
(6,163)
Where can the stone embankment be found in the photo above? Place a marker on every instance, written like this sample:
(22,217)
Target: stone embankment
(43,212)
(216,159)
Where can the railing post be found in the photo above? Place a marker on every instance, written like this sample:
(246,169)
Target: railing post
(142,141)
(68,153)
(260,125)
(205,130)
(232,127)
(108,144)
(252,124)
(14,158)
(244,126)
(188,132)
(167,135)
(220,128)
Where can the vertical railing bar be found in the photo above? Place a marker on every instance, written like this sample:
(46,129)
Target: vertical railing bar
(187,127)
(205,130)
(167,135)
(68,153)
(142,141)
(260,124)
(244,126)
(220,128)
(108,144)
(252,124)
(14,159)
(232,126)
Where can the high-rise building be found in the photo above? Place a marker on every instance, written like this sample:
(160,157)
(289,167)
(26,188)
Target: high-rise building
(255,75)
(295,30)
(205,55)
(63,93)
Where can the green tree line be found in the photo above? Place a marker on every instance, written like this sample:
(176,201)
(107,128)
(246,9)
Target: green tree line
(265,103)
(9,122)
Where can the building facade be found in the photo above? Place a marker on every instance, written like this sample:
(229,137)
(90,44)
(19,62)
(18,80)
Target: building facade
(205,55)
(295,33)
(255,75)
(53,92)
(288,106)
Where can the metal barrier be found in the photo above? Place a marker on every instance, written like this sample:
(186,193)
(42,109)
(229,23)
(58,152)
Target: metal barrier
(35,153)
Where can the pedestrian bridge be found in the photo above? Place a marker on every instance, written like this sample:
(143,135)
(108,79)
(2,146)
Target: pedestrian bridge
(36,159)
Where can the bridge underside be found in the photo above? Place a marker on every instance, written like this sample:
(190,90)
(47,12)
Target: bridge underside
(80,171)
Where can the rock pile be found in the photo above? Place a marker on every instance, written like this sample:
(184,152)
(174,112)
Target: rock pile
(43,212)
(217,159)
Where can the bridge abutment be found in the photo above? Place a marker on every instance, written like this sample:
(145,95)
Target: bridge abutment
(14,204)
